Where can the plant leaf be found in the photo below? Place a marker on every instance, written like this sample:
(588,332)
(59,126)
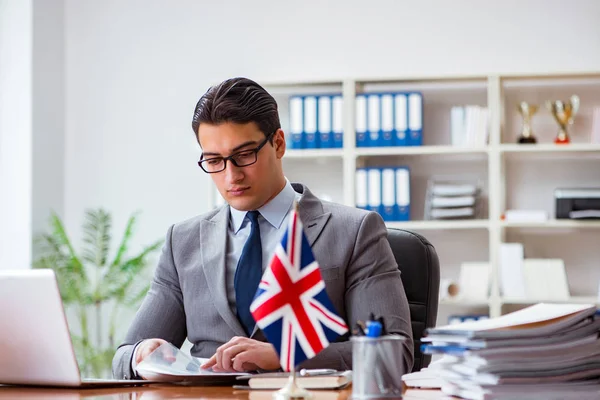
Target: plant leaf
(120,277)
(125,240)
(96,236)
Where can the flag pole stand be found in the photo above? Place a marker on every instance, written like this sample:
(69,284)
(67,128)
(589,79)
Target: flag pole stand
(292,391)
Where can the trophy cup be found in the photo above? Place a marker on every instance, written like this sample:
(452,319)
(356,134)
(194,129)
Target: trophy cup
(564,113)
(527,111)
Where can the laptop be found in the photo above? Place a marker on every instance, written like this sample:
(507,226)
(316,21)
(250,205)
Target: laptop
(35,344)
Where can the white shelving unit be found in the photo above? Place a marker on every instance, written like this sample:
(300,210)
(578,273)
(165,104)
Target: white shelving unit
(515,175)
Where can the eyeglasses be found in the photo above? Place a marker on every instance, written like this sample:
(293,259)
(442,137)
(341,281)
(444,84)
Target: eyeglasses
(242,158)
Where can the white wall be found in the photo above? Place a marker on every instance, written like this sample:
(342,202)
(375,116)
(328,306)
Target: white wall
(15,133)
(135,69)
(48,112)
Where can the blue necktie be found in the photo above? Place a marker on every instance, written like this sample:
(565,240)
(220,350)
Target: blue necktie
(248,274)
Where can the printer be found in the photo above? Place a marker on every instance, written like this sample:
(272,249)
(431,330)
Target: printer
(577,203)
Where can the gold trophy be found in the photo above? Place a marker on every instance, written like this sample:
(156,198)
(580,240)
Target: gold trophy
(527,111)
(564,113)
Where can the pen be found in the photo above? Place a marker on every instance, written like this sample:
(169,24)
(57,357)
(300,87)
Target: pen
(316,372)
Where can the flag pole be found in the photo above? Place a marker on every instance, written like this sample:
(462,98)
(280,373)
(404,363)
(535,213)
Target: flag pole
(292,391)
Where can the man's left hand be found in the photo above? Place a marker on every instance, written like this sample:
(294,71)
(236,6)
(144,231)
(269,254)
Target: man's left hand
(242,354)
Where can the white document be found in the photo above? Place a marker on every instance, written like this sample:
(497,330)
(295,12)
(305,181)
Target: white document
(512,279)
(169,364)
(545,279)
(450,189)
(452,212)
(525,215)
(537,313)
(460,201)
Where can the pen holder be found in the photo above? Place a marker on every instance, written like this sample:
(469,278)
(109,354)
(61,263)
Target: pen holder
(377,367)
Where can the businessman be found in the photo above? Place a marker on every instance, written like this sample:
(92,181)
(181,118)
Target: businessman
(211,264)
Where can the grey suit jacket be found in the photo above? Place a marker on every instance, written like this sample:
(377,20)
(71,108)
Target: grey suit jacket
(187,297)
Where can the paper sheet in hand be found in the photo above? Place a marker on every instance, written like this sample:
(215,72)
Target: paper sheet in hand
(169,364)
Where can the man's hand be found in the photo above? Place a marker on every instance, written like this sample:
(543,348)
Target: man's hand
(148,346)
(242,354)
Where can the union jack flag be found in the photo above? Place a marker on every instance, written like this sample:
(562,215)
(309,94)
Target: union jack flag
(291,305)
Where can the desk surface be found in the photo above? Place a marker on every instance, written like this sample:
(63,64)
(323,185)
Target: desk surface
(159,392)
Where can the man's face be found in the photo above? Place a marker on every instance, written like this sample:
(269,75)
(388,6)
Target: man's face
(244,188)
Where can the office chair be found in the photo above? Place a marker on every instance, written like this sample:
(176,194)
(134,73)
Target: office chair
(420,267)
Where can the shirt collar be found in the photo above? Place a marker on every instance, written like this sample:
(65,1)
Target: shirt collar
(274,211)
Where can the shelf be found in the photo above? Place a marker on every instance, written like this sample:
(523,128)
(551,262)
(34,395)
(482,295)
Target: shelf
(573,148)
(571,300)
(314,153)
(440,225)
(464,303)
(553,224)
(418,150)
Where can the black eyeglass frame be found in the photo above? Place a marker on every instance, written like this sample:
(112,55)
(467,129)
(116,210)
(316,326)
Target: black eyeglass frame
(232,157)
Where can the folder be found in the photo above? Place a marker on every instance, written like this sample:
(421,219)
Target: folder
(338,122)
(374,189)
(361,120)
(457,126)
(415,119)
(311,140)
(400,119)
(296,123)
(360,188)
(374,120)
(402,194)
(512,277)
(324,122)
(387,120)
(388,194)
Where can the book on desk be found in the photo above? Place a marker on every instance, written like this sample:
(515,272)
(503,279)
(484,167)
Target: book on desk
(277,380)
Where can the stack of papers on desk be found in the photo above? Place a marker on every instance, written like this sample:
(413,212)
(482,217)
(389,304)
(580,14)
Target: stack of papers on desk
(543,350)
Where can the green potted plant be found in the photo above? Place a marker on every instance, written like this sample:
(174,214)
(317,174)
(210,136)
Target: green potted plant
(92,284)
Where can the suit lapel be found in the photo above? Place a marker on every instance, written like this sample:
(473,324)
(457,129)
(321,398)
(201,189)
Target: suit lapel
(213,242)
(311,212)
(314,227)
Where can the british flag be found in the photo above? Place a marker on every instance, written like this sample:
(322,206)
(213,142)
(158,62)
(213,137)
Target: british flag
(291,305)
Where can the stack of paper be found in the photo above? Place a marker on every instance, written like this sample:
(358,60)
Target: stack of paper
(452,199)
(543,349)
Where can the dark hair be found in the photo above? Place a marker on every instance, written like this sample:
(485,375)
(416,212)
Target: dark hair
(237,100)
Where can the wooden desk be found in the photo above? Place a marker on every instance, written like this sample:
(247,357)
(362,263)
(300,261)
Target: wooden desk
(159,392)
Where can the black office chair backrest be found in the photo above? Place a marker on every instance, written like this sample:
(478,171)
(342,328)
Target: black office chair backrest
(420,267)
